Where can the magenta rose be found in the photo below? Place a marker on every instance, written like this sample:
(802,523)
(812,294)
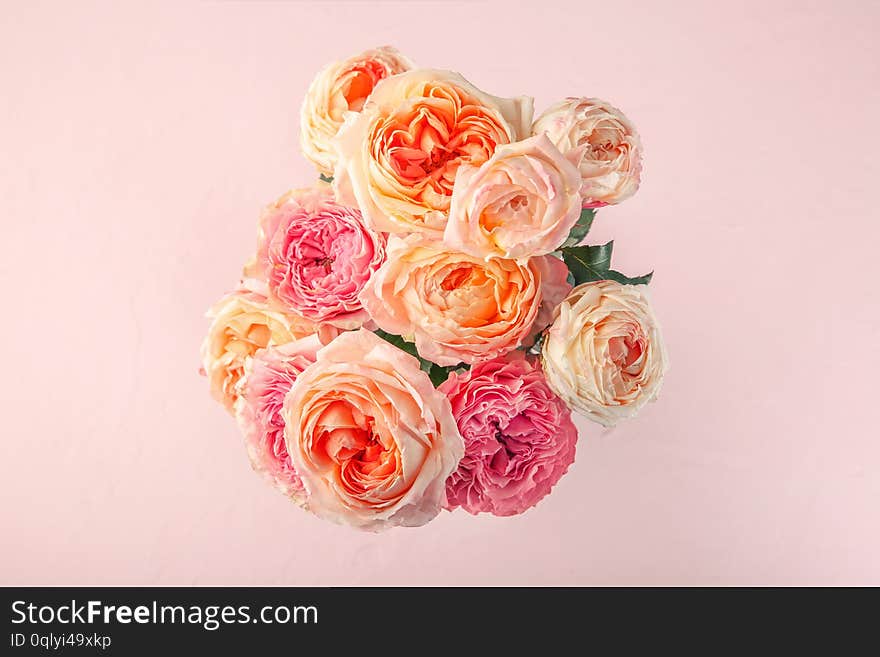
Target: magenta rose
(268,378)
(519,437)
(316,256)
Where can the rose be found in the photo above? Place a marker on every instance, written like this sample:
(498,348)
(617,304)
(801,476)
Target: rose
(398,157)
(601,141)
(458,307)
(523,201)
(369,435)
(339,88)
(316,255)
(518,435)
(268,378)
(604,354)
(242,322)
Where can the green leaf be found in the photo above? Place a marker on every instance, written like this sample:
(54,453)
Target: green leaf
(588,263)
(326,179)
(581,228)
(535,349)
(439,374)
(644,279)
(399,342)
(593,263)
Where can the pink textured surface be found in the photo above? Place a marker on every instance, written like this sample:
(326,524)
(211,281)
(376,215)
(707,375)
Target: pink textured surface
(139,145)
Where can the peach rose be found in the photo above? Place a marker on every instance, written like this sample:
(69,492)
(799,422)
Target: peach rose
(399,156)
(603,354)
(522,202)
(603,144)
(371,438)
(461,308)
(339,88)
(242,322)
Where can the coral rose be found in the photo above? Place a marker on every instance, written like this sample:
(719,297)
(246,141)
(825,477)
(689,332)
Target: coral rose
(370,436)
(518,435)
(460,308)
(399,156)
(603,354)
(316,255)
(242,322)
(339,88)
(603,144)
(268,378)
(522,202)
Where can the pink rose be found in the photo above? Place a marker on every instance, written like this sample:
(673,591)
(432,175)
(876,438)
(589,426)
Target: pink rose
(461,308)
(369,435)
(603,144)
(316,255)
(522,202)
(268,378)
(519,437)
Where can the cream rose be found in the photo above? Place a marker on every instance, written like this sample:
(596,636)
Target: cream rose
(370,437)
(242,322)
(603,354)
(460,308)
(339,88)
(399,156)
(603,144)
(522,202)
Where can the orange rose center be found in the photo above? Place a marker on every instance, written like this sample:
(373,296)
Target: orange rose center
(518,201)
(468,294)
(358,83)
(422,145)
(457,278)
(350,440)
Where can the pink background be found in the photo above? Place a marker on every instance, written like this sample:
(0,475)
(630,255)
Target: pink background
(140,143)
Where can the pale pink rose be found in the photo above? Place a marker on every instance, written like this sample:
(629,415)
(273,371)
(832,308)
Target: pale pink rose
(242,322)
(460,308)
(316,255)
(603,354)
(268,378)
(518,435)
(603,144)
(399,156)
(370,436)
(340,88)
(522,202)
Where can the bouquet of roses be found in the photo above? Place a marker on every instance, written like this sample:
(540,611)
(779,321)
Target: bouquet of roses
(414,330)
